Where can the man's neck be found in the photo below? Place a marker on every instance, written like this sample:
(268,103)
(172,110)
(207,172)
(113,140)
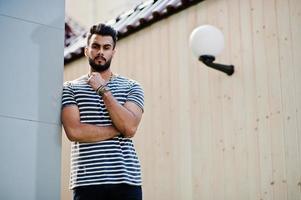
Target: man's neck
(107,74)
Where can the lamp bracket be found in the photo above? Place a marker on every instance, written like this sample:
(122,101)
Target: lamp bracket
(208,60)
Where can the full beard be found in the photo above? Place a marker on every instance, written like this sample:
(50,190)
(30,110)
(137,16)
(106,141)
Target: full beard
(99,67)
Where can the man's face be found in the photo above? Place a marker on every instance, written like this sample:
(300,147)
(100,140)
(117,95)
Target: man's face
(100,52)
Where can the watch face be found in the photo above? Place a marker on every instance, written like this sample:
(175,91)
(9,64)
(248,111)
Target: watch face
(103,90)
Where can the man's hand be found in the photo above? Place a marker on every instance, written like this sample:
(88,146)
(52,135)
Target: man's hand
(95,80)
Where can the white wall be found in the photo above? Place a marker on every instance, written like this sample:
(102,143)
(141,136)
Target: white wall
(31,76)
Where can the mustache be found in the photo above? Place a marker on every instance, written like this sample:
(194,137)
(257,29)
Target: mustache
(101,58)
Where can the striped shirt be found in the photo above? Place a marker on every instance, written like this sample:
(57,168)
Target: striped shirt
(111,161)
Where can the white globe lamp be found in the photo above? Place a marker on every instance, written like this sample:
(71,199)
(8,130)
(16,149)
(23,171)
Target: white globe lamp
(207,42)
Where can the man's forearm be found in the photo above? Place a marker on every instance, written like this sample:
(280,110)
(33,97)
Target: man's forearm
(90,133)
(123,119)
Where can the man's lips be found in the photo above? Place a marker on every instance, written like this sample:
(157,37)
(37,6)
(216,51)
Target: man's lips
(100,59)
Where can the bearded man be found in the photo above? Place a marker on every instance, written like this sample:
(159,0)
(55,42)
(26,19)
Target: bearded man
(101,112)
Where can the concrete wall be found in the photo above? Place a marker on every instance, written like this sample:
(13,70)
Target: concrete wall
(31,76)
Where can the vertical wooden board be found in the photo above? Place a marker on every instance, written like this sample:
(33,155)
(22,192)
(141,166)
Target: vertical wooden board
(138,56)
(295,27)
(218,144)
(223,21)
(262,99)
(201,139)
(116,61)
(125,67)
(250,110)
(239,143)
(164,100)
(123,57)
(128,66)
(150,172)
(275,104)
(121,52)
(133,50)
(183,95)
(174,82)
(158,163)
(288,86)
(117,57)
(65,167)
(141,143)
(161,141)
(222,116)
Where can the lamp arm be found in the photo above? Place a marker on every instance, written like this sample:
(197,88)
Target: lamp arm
(208,60)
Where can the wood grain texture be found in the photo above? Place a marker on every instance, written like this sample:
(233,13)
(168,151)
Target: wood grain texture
(205,135)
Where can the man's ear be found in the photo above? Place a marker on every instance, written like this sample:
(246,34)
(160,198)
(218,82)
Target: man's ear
(86,52)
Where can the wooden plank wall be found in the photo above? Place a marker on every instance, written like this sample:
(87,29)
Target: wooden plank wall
(205,135)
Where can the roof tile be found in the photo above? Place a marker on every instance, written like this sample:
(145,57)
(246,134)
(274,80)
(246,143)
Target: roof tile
(131,21)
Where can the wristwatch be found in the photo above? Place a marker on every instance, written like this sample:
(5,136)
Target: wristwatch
(102,89)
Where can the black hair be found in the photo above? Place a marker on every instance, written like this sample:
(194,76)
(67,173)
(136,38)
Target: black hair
(104,30)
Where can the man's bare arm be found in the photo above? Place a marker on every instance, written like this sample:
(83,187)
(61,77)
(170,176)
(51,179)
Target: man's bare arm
(81,132)
(125,118)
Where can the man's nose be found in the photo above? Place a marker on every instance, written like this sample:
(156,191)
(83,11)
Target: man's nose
(100,51)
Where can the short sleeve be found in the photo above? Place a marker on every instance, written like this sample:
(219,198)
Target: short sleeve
(68,95)
(136,95)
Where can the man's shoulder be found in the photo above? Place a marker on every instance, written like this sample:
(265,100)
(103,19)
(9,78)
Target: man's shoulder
(82,80)
(126,80)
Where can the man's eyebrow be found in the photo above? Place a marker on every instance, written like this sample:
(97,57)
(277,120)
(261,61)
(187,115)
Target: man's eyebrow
(106,44)
(96,44)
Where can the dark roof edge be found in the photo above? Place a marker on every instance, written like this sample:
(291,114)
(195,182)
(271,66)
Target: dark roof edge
(169,10)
